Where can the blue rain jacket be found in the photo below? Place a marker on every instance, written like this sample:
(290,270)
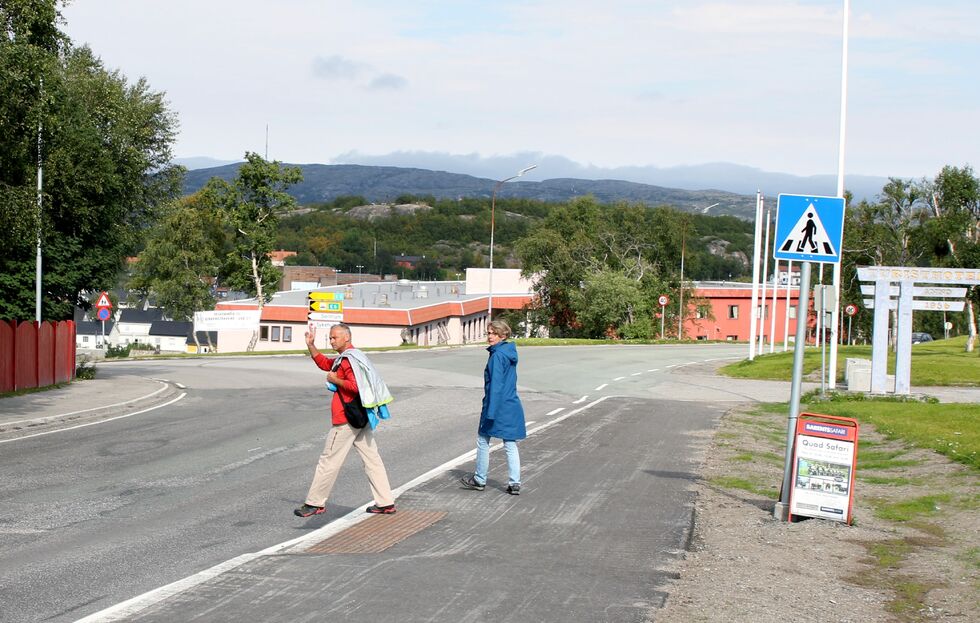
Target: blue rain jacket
(502,415)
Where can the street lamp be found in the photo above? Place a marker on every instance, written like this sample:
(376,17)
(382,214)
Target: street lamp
(359,267)
(493,204)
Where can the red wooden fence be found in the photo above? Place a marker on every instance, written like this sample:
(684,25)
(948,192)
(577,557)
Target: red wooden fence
(36,357)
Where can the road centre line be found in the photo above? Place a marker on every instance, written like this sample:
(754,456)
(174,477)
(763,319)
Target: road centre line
(555,411)
(127,609)
(636,374)
(118,417)
(600,387)
(619,378)
(581,400)
(653,369)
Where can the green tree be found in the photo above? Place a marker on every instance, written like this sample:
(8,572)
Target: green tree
(105,150)
(956,230)
(251,206)
(180,261)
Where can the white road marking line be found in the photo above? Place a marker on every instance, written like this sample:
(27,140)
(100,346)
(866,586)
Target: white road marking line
(653,369)
(619,378)
(636,374)
(554,411)
(600,387)
(254,449)
(180,385)
(55,417)
(118,417)
(581,400)
(130,607)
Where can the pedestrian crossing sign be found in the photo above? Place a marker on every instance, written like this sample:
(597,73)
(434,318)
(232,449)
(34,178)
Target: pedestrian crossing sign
(809,228)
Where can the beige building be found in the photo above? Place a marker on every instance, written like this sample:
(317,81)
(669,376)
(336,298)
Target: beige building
(387,313)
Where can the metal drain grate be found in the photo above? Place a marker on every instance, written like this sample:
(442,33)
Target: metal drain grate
(376,534)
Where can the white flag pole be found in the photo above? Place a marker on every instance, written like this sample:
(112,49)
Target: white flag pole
(835,314)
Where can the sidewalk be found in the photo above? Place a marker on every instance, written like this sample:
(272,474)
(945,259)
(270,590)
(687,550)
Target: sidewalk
(111,394)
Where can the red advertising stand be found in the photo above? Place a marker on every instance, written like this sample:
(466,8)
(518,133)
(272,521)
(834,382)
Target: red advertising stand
(824,464)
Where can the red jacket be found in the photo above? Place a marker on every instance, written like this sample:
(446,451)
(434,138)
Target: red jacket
(349,390)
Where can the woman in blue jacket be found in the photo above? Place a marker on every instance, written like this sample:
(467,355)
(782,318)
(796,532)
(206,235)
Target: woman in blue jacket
(502,415)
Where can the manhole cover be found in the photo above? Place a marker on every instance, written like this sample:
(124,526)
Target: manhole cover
(378,533)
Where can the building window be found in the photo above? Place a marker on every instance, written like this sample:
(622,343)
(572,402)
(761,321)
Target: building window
(84,339)
(703,311)
(792,312)
(275,334)
(733,311)
(264,334)
(732,338)
(287,334)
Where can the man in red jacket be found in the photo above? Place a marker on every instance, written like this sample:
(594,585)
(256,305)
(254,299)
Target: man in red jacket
(342,435)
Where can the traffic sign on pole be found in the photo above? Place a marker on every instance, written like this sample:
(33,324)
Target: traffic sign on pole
(809,228)
(104,301)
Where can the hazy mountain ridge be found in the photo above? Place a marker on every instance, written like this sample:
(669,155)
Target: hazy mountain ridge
(323,182)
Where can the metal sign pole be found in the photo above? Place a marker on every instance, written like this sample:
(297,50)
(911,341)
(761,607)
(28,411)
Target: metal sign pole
(781,510)
(663,312)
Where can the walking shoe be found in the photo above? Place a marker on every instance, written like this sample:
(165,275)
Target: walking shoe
(514,489)
(374,509)
(308,510)
(469,482)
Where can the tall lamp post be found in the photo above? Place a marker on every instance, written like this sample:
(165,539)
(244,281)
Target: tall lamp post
(493,205)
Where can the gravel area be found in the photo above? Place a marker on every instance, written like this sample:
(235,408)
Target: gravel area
(744,565)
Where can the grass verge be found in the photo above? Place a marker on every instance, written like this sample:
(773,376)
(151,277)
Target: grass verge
(942,362)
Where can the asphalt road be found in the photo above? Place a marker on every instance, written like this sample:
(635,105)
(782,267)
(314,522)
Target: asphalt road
(96,515)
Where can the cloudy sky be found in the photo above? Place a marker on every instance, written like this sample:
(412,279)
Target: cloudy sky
(609,84)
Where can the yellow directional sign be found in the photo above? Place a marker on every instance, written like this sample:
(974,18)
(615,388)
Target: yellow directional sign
(326,296)
(327,306)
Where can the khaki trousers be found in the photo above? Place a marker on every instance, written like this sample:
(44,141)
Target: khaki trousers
(338,444)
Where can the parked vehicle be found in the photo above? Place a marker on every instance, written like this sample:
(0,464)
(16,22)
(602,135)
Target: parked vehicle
(919,338)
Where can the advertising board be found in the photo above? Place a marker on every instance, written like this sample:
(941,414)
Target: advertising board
(824,462)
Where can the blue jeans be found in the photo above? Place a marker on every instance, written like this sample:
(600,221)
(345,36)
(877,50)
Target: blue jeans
(483,460)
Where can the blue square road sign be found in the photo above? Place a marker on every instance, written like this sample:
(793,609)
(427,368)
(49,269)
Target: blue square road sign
(809,228)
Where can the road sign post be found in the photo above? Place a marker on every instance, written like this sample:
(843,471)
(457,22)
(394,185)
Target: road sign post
(663,299)
(103,311)
(809,229)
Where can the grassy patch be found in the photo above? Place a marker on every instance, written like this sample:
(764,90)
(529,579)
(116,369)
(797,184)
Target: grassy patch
(942,362)
(952,430)
(910,597)
(889,554)
(896,481)
(910,509)
(971,557)
(728,482)
(883,459)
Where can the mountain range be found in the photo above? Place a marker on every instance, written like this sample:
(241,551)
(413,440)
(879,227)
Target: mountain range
(718,188)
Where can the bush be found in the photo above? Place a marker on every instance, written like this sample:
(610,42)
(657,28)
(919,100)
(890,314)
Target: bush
(117,351)
(85,370)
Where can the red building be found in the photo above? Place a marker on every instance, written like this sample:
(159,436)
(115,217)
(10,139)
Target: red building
(721,310)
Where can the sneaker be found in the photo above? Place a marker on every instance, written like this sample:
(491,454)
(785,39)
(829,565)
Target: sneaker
(514,489)
(308,510)
(374,509)
(469,482)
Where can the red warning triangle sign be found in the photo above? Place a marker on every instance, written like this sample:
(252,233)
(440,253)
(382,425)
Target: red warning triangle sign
(103,301)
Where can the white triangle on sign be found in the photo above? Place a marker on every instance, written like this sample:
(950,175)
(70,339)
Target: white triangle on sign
(809,236)
(103,301)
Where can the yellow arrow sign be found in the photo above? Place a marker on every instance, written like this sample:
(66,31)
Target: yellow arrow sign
(327,306)
(326,296)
